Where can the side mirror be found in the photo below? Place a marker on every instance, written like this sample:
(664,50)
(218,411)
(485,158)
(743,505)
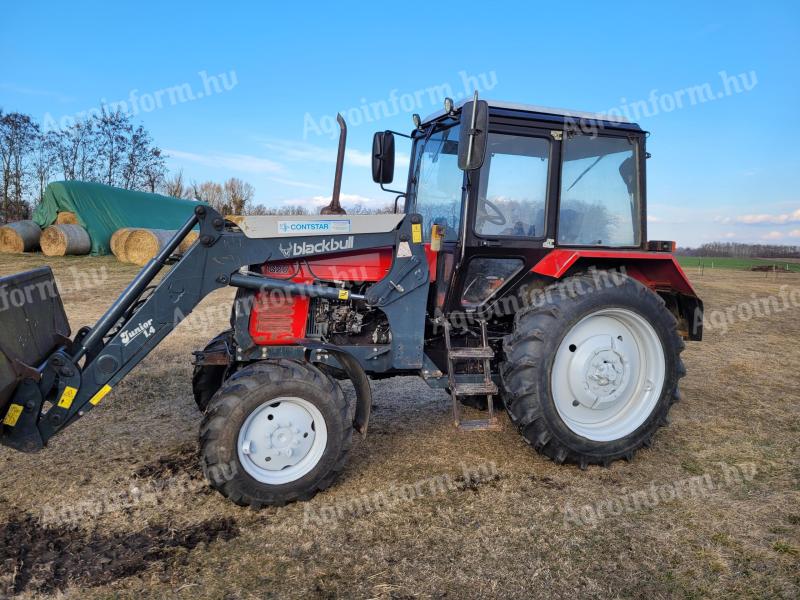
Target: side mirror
(383,157)
(474,135)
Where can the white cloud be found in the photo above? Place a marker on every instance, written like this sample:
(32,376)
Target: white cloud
(302,151)
(761,219)
(317,202)
(294,183)
(772,235)
(235,162)
(654,219)
(795,233)
(26,91)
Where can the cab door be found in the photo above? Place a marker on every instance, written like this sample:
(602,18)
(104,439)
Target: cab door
(510,222)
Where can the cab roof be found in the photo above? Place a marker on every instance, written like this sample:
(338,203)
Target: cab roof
(543,113)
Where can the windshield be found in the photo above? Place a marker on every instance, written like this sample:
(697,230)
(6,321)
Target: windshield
(438,182)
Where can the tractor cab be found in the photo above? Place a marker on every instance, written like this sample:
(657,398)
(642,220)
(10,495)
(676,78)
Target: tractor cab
(538,179)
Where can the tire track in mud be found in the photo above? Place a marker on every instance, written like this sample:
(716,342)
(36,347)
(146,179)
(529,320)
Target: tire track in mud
(43,558)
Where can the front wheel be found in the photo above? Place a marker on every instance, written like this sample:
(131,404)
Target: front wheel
(275,432)
(591,375)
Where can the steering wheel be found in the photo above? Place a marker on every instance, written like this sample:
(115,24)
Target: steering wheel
(498,218)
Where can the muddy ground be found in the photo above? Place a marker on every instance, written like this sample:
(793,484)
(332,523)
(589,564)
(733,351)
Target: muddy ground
(116,506)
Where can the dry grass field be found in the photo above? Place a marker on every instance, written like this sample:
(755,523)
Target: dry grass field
(712,510)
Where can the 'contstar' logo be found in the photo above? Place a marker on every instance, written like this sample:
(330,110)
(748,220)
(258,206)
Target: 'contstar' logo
(329,245)
(316,226)
(145,329)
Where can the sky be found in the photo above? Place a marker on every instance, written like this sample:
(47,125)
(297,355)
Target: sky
(252,90)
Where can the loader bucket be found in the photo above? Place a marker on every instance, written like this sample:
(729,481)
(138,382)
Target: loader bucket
(32,324)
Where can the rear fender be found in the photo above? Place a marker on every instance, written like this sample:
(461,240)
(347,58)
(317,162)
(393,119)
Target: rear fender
(657,270)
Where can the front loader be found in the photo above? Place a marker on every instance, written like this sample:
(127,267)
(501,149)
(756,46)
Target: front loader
(518,274)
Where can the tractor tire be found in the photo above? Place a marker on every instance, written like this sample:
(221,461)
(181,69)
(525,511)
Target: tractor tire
(590,376)
(275,432)
(207,379)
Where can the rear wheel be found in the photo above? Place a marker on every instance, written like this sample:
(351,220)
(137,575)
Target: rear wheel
(275,432)
(590,376)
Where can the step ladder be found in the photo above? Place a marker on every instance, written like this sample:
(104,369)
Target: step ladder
(484,354)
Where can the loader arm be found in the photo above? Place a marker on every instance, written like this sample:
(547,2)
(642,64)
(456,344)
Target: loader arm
(76,376)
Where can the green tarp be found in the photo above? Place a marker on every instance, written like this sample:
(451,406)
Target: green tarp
(103,209)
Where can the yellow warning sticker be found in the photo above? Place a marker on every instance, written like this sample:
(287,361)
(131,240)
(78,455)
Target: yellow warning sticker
(100,395)
(67,397)
(416,233)
(13,414)
(344,294)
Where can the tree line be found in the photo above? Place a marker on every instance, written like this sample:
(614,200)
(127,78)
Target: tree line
(236,197)
(108,148)
(105,148)
(740,250)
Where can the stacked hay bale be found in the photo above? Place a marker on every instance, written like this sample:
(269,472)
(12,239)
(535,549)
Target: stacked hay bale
(66,218)
(187,242)
(137,246)
(62,240)
(117,243)
(143,244)
(21,236)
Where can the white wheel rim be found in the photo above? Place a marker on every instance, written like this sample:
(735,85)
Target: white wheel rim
(282,440)
(608,374)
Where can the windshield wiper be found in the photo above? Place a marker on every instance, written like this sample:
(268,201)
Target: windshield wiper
(586,170)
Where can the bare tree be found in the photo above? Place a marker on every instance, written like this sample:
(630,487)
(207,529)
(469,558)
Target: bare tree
(17,137)
(154,169)
(5,167)
(44,161)
(289,209)
(173,186)
(257,209)
(238,195)
(74,152)
(112,131)
(212,193)
(144,167)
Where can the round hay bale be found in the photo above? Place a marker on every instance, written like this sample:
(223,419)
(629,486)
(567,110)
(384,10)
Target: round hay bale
(187,242)
(66,218)
(144,244)
(117,243)
(21,236)
(61,240)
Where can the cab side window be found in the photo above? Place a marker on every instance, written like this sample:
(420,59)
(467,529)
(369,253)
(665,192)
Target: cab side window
(599,192)
(513,191)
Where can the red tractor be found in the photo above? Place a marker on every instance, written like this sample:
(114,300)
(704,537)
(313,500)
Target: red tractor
(518,273)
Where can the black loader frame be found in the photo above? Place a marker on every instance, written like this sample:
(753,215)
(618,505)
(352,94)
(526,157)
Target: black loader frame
(74,378)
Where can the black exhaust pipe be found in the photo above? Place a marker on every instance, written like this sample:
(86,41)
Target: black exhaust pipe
(334,208)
